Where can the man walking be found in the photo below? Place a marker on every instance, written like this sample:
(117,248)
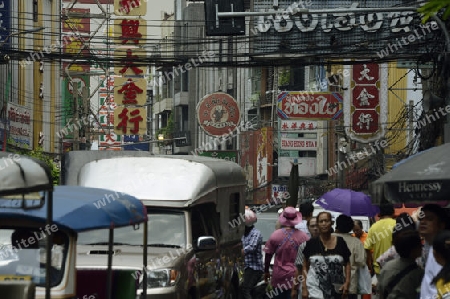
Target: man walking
(252,251)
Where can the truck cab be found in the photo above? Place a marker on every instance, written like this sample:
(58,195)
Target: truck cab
(192,203)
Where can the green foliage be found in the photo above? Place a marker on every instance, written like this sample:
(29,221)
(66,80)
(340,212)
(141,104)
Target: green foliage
(39,154)
(284,78)
(434,6)
(168,130)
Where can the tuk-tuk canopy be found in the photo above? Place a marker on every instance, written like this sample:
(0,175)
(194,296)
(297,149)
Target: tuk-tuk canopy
(21,174)
(80,209)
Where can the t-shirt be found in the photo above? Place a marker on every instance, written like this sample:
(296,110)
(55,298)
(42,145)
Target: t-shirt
(443,290)
(379,239)
(284,243)
(432,268)
(325,267)
(303,226)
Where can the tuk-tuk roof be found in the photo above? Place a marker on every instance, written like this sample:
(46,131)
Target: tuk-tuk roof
(80,209)
(22,174)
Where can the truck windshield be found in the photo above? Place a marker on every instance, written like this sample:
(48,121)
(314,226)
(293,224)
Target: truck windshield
(165,229)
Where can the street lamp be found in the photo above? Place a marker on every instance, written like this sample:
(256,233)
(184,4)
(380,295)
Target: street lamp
(6,57)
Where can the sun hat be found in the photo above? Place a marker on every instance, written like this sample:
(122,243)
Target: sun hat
(250,217)
(290,217)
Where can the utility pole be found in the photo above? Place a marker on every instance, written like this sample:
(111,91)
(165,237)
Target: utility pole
(76,130)
(411,126)
(85,120)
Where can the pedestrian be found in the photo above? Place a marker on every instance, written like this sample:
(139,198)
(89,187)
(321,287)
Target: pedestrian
(284,243)
(400,278)
(358,231)
(379,238)
(344,225)
(327,263)
(252,251)
(403,223)
(432,222)
(312,227)
(306,209)
(441,252)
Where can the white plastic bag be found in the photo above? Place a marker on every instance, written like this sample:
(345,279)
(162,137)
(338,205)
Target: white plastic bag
(364,280)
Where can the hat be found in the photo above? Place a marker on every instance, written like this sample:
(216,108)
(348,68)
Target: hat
(290,217)
(250,217)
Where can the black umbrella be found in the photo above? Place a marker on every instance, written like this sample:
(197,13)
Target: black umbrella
(417,180)
(293,185)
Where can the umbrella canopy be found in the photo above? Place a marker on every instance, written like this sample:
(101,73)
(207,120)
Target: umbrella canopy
(419,179)
(22,174)
(80,208)
(348,202)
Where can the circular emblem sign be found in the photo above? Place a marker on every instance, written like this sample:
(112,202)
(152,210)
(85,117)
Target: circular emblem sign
(218,114)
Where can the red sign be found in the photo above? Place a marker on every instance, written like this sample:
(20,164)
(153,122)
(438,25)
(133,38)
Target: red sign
(313,105)
(365,99)
(218,114)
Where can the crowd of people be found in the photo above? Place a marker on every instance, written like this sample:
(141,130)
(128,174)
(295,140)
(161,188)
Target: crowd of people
(400,256)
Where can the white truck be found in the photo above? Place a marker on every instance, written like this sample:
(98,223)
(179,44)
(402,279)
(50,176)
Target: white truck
(193,252)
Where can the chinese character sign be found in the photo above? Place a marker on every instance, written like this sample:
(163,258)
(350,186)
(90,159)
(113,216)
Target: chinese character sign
(129,62)
(130,7)
(130,91)
(130,32)
(130,121)
(366,102)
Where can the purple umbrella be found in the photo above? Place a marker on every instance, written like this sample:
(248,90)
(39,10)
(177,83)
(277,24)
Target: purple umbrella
(348,202)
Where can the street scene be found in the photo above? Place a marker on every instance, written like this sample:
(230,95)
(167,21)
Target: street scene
(228,149)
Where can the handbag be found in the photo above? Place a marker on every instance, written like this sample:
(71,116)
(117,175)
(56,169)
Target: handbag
(364,280)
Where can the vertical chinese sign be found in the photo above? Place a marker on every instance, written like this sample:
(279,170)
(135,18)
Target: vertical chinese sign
(130,88)
(365,107)
(76,33)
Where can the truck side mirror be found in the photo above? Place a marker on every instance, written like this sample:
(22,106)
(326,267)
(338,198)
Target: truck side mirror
(206,243)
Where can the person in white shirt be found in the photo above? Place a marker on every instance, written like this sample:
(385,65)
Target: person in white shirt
(306,209)
(433,221)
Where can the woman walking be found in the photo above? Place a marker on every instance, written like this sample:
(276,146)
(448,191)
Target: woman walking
(326,257)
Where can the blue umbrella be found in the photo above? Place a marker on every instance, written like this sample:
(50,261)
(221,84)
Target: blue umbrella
(348,202)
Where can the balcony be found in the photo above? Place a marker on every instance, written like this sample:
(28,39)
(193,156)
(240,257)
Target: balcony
(181,98)
(163,105)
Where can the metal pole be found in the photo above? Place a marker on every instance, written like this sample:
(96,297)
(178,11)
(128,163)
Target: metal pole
(411,126)
(144,279)
(76,131)
(109,270)
(49,245)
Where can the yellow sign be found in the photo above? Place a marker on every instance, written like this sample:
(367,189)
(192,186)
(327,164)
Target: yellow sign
(130,61)
(130,91)
(14,277)
(130,32)
(130,7)
(130,121)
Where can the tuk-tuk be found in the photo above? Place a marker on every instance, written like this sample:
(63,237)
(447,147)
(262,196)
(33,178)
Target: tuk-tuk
(39,224)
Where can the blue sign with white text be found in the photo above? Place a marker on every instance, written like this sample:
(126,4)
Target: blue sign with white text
(5,22)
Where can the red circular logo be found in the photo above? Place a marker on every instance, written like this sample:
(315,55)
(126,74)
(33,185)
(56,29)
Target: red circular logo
(218,114)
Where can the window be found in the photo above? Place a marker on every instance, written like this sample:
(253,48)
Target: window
(234,207)
(35,10)
(23,254)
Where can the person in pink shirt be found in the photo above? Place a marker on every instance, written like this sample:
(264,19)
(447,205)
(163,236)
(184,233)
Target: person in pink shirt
(284,243)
